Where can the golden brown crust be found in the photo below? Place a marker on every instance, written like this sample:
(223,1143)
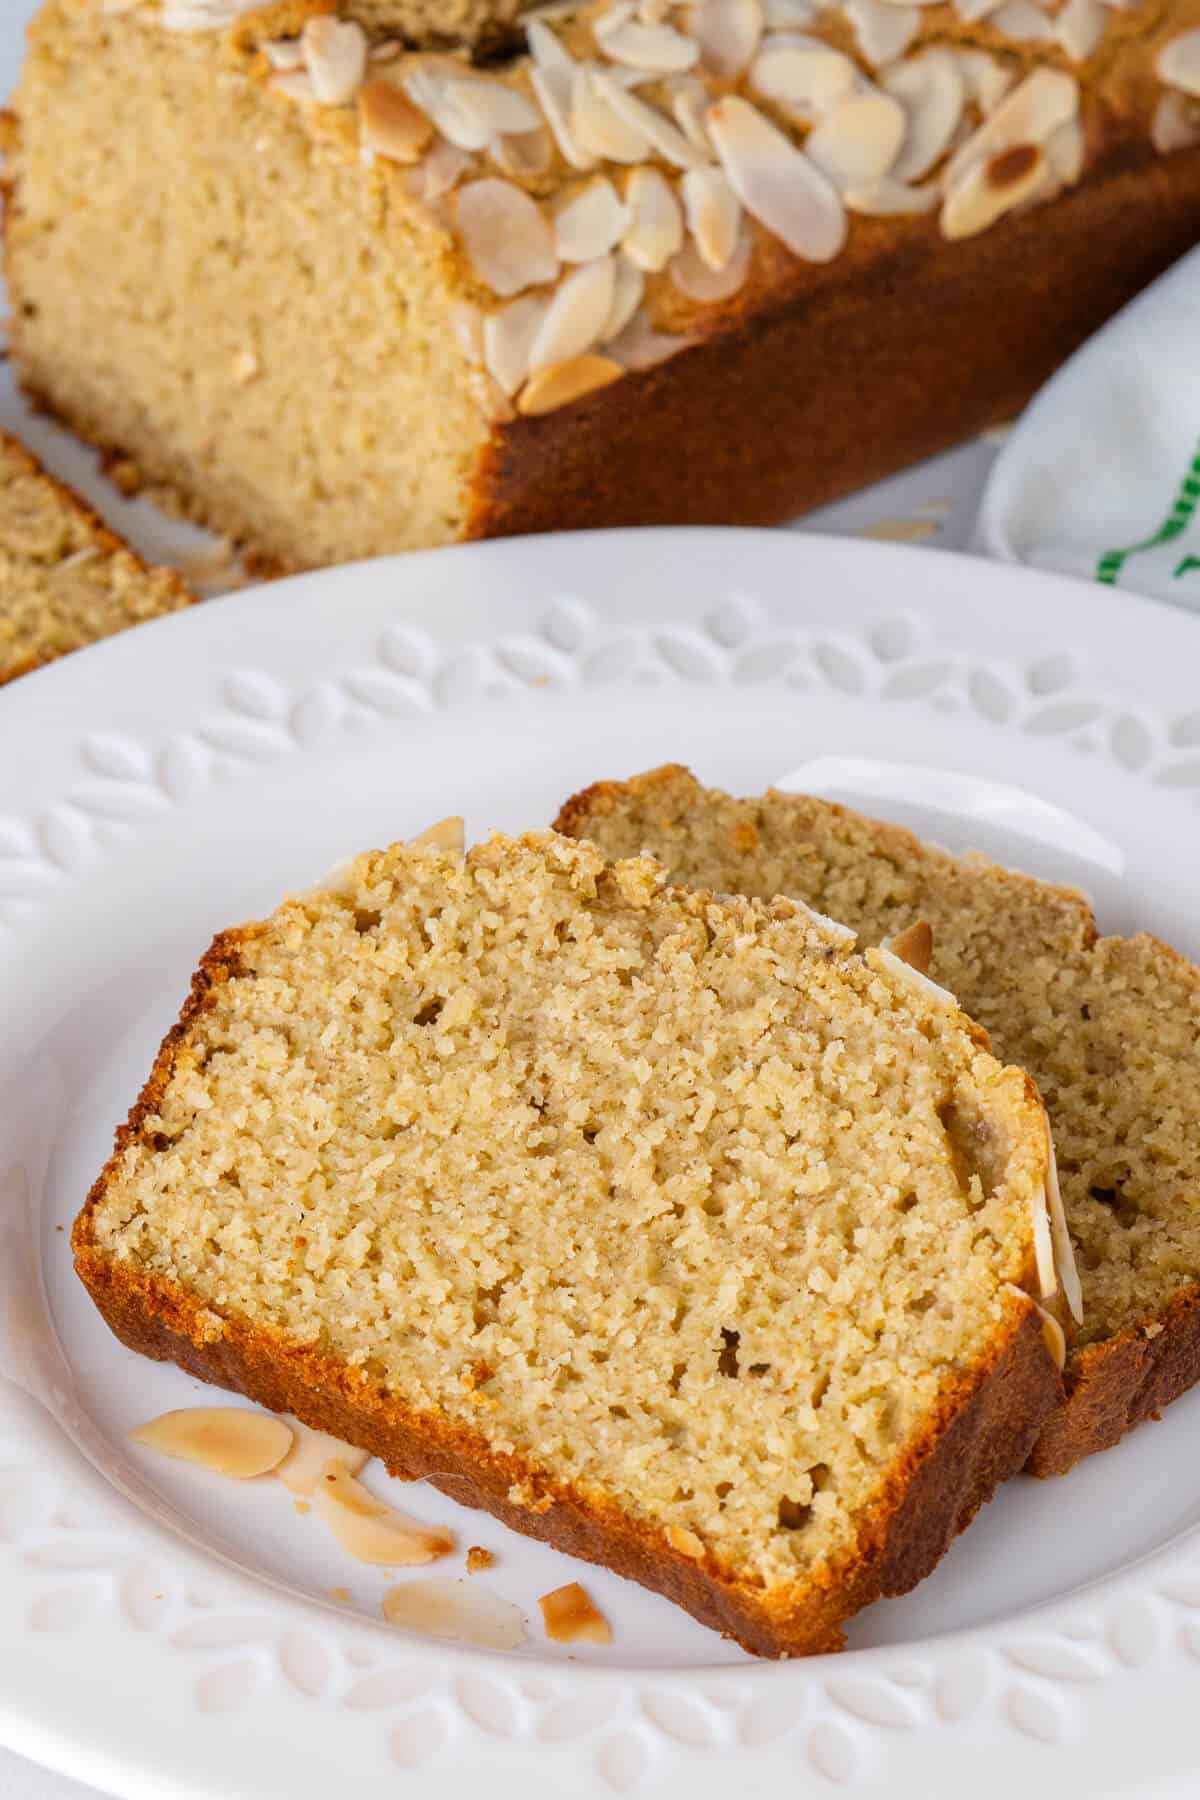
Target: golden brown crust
(980,1432)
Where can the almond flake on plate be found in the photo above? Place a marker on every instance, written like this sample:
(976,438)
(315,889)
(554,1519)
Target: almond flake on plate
(571,1617)
(311,1450)
(505,235)
(229,1440)
(464,1613)
(777,183)
(371,1531)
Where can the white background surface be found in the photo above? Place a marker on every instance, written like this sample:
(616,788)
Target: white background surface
(934,504)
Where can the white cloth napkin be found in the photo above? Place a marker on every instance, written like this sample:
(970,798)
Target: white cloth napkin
(1101,477)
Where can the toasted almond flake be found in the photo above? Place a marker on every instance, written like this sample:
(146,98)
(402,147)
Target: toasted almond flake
(972,11)
(914,946)
(448,834)
(598,129)
(890,198)
(629,285)
(389,123)
(552,79)
(714,215)
(654,125)
(229,1440)
(284,54)
(427,86)
(576,316)
(806,79)
(493,107)
(564,382)
(1176,123)
(442,170)
(689,103)
(1023,21)
(685,1542)
(505,235)
(930,89)
(882,31)
(777,183)
(452,1609)
(571,1618)
(789,15)
(371,1531)
(523,154)
(696,281)
(335,54)
(1065,150)
(985,79)
(728,33)
(295,83)
(1033,110)
(990,189)
(656,221)
(903,972)
(508,336)
(655,47)
(1064,1250)
(1054,1337)
(1080,27)
(310,1452)
(478,1559)
(1178,63)
(590,223)
(613,16)
(641,347)
(859,140)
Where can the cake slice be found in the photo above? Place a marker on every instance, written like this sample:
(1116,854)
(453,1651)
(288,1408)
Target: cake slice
(1108,1027)
(65,579)
(668,1228)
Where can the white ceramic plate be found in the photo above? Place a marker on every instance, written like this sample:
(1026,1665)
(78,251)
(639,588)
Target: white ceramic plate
(165,1633)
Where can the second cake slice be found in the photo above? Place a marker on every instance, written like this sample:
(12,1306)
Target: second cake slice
(668,1228)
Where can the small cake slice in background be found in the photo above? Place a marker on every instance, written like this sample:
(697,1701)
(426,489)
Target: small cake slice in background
(669,1228)
(65,578)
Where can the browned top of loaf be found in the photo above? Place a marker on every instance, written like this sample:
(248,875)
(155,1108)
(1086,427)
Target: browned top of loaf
(1108,1027)
(65,579)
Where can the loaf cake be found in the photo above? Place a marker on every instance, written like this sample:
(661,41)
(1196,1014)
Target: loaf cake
(668,1228)
(65,579)
(1108,1027)
(718,262)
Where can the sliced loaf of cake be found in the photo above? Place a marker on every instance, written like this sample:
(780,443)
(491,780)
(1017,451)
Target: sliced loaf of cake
(1108,1027)
(65,579)
(669,1228)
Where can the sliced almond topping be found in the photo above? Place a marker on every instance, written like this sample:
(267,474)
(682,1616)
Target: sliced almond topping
(564,382)
(312,1450)
(629,285)
(1178,63)
(505,235)
(805,78)
(656,47)
(1022,20)
(1043,1247)
(696,281)
(284,54)
(613,16)
(914,946)
(656,221)
(789,15)
(449,835)
(493,107)
(777,183)
(425,83)
(971,11)
(335,54)
(909,977)
(591,223)
(1064,1250)
(859,140)
(387,51)
(641,347)
(685,1541)
(1065,150)
(552,78)
(930,89)
(985,79)
(598,129)
(1054,1338)
(714,215)
(295,83)
(464,1613)
(576,315)
(1176,124)
(654,125)
(1034,110)
(571,1618)
(229,1440)
(523,154)
(890,198)
(442,170)
(369,1530)
(1079,28)
(882,31)
(493,403)
(990,189)
(390,124)
(689,103)
(728,33)
(508,336)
